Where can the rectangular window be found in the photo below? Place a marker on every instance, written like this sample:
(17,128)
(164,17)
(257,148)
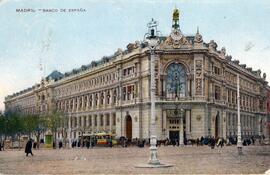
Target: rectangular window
(101,98)
(101,120)
(107,120)
(129,89)
(217,92)
(217,70)
(114,119)
(124,93)
(90,120)
(114,96)
(90,101)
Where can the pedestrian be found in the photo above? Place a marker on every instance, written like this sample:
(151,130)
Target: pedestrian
(252,139)
(177,142)
(87,144)
(28,147)
(78,143)
(222,142)
(3,145)
(35,145)
(0,146)
(212,143)
(219,142)
(202,140)
(173,142)
(125,142)
(60,144)
(110,142)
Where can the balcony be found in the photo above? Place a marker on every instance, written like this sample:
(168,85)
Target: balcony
(128,77)
(130,102)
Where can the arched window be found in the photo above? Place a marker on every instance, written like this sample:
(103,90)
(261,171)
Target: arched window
(176,81)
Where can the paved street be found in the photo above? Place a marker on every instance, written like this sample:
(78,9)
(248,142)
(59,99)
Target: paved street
(256,159)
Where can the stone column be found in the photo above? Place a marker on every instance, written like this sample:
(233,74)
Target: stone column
(87,102)
(73,107)
(98,101)
(78,121)
(181,132)
(189,83)
(188,123)
(94,101)
(69,131)
(82,97)
(78,103)
(111,97)
(98,122)
(111,121)
(88,120)
(259,125)
(69,102)
(82,121)
(211,90)
(249,125)
(93,122)
(104,97)
(104,121)
(65,105)
(224,123)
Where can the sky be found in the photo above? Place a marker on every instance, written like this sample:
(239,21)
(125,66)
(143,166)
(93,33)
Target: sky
(66,40)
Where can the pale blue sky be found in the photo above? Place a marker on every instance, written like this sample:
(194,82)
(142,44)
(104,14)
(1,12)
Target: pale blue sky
(68,40)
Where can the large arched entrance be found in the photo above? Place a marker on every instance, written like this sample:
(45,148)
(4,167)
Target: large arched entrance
(217,128)
(128,127)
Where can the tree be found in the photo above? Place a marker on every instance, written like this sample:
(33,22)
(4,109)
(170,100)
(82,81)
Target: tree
(41,127)
(53,123)
(30,123)
(13,124)
(2,126)
(17,126)
(64,127)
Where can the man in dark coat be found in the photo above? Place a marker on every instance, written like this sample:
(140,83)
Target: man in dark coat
(88,144)
(28,147)
(60,144)
(212,143)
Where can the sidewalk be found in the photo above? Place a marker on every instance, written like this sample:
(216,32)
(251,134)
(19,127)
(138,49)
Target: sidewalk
(118,160)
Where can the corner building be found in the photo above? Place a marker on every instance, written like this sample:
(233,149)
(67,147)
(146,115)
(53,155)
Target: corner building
(195,92)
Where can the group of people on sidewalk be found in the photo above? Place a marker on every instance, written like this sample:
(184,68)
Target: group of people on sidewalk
(85,143)
(124,142)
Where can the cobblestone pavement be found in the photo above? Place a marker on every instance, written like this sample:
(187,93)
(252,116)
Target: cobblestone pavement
(117,160)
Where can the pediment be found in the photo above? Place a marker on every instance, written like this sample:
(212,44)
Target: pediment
(176,41)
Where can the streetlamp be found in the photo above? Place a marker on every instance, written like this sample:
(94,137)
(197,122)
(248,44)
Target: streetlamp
(239,141)
(153,41)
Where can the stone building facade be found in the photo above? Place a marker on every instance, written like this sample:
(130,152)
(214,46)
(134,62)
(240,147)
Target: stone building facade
(196,92)
(268,113)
